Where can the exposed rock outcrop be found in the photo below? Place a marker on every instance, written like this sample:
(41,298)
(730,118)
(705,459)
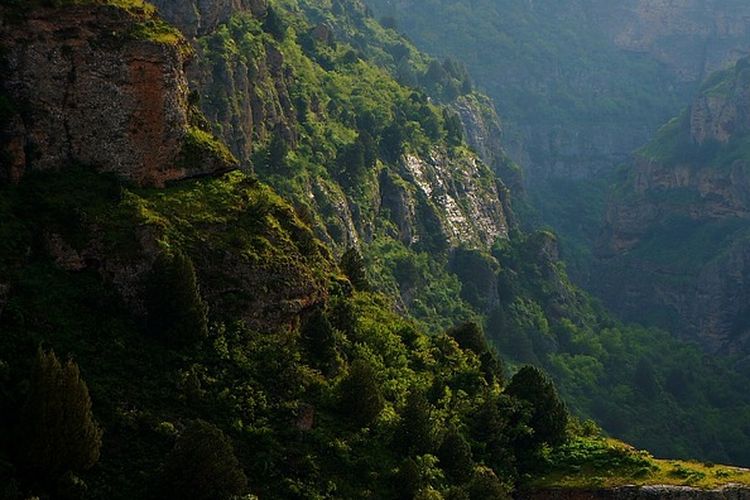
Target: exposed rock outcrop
(484,134)
(642,493)
(692,37)
(90,85)
(464,193)
(675,236)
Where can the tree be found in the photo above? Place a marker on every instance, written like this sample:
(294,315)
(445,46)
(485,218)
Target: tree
(416,434)
(353,266)
(176,312)
(408,480)
(487,486)
(57,425)
(645,378)
(277,152)
(319,339)
(350,163)
(392,143)
(453,128)
(273,24)
(455,457)
(499,425)
(549,417)
(360,398)
(202,465)
(470,336)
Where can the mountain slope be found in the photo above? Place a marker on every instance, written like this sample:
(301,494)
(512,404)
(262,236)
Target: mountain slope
(686,195)
(229,312)
(580,85)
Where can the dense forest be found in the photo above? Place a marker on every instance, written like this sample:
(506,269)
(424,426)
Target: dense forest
(284,262)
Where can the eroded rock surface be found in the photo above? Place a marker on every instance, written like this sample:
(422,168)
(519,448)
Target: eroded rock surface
(87,86)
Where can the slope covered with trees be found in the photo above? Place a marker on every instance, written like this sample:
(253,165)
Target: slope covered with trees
(309,326)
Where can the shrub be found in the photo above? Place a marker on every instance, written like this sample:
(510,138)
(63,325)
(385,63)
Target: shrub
(360,398)
(549,417)
(353,266)
(455,457)
(487,486)
(202,465)
(57,425)
(176,312)
(416,431)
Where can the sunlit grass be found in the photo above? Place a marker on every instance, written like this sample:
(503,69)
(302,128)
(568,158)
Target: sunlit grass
(598,462)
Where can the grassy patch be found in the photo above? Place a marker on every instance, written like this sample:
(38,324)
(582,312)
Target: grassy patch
(598,462)
(199,146)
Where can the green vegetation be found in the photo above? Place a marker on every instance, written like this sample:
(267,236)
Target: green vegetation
(176,313)
(200,146)
(202,465)
(590,462)
(229,351)
(59,434)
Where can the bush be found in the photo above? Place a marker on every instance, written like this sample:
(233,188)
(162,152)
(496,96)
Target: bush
(202,466)
(176,312)
(416,433)
(57,425)
(360,398)
(455,457)
(549,417)
(353,266)
(487,486)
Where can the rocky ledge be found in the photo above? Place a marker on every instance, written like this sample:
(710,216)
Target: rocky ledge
(729,492)
(102,86)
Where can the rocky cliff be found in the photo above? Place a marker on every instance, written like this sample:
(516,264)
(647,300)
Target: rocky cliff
(103,86)
(199,17)
(679,223)
(642,493)
(693,38)
(250,91)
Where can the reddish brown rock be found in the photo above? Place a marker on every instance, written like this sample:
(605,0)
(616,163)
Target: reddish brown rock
(88,88)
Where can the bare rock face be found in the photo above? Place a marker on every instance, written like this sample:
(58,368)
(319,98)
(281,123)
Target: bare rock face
(199,17)
(692,37)
(257,85)
(674,246)
(484,134)
(723,111)
(643,493)
(464,194)
(88,88)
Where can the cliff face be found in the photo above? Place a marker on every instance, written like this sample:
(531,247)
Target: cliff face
(693,38)
(88,85)
(199,17)
(246,87)
(678,226)
(99,86)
